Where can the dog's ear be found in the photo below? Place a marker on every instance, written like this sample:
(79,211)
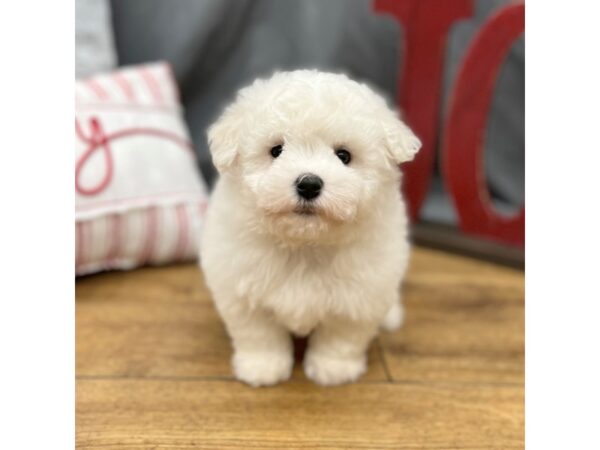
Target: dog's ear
(402,144)
(224,138)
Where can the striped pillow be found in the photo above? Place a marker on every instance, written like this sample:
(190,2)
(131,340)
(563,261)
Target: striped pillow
(139,196)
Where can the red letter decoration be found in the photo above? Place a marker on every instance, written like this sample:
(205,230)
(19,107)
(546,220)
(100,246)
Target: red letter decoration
(462,156)
(426,24)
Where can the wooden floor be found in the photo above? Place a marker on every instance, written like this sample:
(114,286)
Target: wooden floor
(153,369)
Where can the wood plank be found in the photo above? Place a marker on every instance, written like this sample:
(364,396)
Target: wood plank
(130,414)
(465,322)
(157,322)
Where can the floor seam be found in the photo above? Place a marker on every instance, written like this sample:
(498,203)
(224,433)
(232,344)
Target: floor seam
(383,360)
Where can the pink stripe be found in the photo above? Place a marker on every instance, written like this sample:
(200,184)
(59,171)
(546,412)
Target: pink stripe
(113,239)
(183,233)
(151,233)
(79,245)
(202,207)
(97,89)
(125,86)
(152,84)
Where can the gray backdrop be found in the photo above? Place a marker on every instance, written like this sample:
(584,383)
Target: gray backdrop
(217,46)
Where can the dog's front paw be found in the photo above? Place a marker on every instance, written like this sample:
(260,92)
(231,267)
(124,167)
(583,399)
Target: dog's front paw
(328,371)
(262,368)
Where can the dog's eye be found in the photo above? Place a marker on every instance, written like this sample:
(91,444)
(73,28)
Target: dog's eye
(276,151)
(344,155)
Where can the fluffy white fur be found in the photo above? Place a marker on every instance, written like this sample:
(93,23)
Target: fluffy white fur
(334,274)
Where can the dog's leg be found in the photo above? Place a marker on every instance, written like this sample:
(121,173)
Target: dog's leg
(337,351)
(394,318)
(263,351)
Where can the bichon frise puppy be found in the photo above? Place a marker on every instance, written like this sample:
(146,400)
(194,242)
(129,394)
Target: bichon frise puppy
(306,232)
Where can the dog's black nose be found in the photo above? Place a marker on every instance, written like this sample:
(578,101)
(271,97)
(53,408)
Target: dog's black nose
(309,186)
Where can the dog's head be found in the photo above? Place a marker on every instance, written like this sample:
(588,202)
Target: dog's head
(311,152)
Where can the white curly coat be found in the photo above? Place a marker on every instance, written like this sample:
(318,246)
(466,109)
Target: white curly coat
(334,273)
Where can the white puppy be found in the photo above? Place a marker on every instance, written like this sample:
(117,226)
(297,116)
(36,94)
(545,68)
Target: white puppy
(306,231)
